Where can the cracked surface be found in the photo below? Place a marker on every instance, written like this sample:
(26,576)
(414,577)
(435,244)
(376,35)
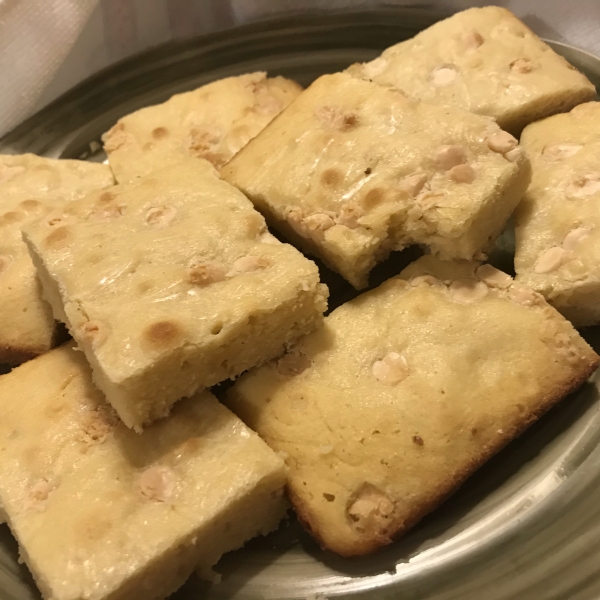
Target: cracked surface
(557,225)
(486,61)
(491,364)
(165,308)
(100,511)
(352,170)
(30,187)
(212,122)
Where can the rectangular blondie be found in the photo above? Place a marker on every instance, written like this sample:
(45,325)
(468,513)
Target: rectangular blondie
(101,512)
(212,122)
(557,225)
(405,391)
(484,60)
(171,284)
(31,186)
(352,170)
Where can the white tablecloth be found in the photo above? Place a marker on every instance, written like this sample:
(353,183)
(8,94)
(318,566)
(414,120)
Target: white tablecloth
(48,46)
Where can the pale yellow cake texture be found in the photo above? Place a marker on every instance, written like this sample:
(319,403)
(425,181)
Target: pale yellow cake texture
(406,390)
(352,170)
(31,186)
(171,284)
(486,61)
(212,122)
(557,226)
(103,513)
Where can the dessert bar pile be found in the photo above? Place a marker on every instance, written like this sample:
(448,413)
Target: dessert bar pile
(187,261)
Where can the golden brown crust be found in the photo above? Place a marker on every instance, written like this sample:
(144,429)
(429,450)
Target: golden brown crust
(445,488)
(16,355)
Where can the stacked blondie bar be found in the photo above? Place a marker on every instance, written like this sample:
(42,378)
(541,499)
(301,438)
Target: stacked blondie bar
(121,474)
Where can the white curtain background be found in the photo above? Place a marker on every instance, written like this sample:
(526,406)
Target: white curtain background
(48,46)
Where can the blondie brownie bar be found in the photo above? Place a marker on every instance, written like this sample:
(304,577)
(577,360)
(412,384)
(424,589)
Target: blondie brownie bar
(351,170)
(557,225)
(211,122)
(406,390)
(101,512)
(484,60)
(171,284)
(31,186)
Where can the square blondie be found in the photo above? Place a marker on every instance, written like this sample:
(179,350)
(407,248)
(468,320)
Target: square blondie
(212,122)
(352,170)
(484,60)
(406,391)
(31,186)
(557,225)
(171,284)
(101,512)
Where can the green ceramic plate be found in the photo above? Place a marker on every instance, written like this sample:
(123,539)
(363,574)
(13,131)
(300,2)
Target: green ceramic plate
(526,526)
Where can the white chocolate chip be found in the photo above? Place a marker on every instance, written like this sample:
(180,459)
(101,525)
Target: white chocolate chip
(514,155)
(523,295)
(575,237)
(493,277)
(294,215)
(375,67)
(158,483)
(462,174)
(349,216)
(203,141)
(502,142)
(413,184)
(447,157)
(585,186)
(473,40)
(521,65)
(249,263)
(371,509)
(38,495)
(467,291)
(563,344)
(96,425)
(293,363)
(443,76)
(323,450)
(205,273)
(159,217)
(391,369)
(560,151)
(425,280)
(318,222)
(93,332)
(550,260)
